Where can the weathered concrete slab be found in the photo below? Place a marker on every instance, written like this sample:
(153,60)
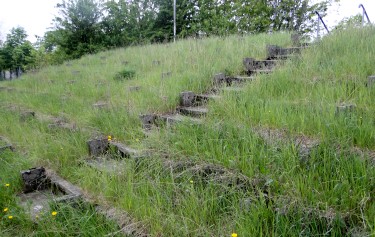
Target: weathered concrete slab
(125,151)
(232,89)
(134,88)
(371,81)
(187,98)
(194,111)
(204,98)
(108,165)
(6,147)
(304,145)
(35,179)
(128,226)
(26,115)
(98,146)
(62,125)
(165,75)
(42,187)
(147,120)
(252,64)
(277,52)
(101,105)
(345,109)
(172,119)
(156,62)
(219,79)
(7,89)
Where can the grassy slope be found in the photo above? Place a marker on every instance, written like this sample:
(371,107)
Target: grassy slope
(300,97)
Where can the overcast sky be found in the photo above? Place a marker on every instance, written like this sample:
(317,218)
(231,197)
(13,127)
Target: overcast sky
(36,15)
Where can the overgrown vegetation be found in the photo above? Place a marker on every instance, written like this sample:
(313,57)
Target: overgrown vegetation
(89,26)
(329,193)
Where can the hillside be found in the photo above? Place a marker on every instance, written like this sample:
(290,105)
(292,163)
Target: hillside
(287,153)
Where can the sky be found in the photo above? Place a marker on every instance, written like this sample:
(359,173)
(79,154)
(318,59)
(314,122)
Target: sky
(36,15)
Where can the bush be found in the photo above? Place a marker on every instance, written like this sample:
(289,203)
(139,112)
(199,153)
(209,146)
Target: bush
(125,74)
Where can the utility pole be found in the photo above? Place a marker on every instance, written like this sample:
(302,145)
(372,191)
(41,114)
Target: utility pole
(174,20)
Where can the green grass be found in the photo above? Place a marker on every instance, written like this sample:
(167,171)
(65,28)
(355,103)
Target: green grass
(330,194)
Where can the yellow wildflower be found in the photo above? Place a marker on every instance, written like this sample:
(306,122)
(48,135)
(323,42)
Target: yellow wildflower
(10,217)
(7,185)
(234,235)
(54,213)
(109,138)
(5,209)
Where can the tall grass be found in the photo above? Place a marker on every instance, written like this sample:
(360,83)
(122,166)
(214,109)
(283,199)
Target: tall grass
(330,193)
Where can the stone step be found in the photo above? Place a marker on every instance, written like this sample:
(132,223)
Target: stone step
(172,119)
(252,64)
(232,80)
(220,79)
(106,164)
(194,111)
(261,71)
(232,89)
(5,144)
(101,146)
(277,52)
(125,151)
(189,98)
(41,187)
(370,81)
(203,98)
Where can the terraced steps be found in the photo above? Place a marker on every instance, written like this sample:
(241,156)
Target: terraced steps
(277,52)
(42,186)
(171,119)
(221,79)
(194,111)
(232,89)
(5,144)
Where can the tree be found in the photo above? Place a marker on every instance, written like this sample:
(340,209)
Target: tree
(349,22)
(17,52)
(77,28)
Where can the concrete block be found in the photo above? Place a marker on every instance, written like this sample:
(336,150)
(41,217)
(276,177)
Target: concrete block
(371,81)
(34,179)
(219,79)
(98,146)
(187,98)
(147,120)
(344,109)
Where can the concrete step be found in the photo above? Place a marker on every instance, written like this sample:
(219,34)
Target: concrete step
(172,119)
(203,98)
(125,151)
(232,89)
(220,79)
(277,52)
(194,111)
(261,71)
(102,146)
(189,98)
(106,164)
(41,187)
(252,64)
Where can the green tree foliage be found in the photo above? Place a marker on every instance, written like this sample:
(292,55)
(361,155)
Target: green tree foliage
(349,22)
(77,29)
(17,53)
(87,26)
